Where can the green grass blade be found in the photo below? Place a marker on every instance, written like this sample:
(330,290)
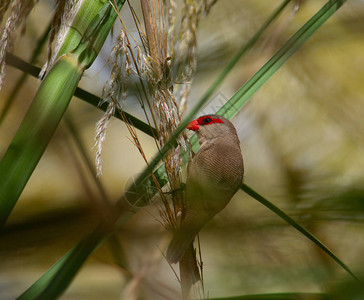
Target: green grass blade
(55,281)
(297,226)
(18,85)
(280,296)
(241,97)
(86,13)
(242,52)
(47,109)
(22,65)
(34,133)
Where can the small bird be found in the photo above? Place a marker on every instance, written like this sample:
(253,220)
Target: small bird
(214,176)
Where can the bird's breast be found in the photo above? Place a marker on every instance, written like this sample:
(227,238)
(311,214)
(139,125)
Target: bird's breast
(217,165)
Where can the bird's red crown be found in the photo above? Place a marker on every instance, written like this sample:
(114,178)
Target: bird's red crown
(204,120)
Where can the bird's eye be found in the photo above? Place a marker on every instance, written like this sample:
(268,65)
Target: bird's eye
(207,120)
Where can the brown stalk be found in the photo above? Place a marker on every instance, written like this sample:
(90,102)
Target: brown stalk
(156,53)
(151,37)
(164,31)
(168,216)
(139,73)
(139,26)
(162,104)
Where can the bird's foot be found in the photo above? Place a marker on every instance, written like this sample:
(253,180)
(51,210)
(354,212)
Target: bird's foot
(178,190)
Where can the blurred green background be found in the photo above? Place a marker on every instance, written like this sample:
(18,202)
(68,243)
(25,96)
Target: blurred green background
(302,138)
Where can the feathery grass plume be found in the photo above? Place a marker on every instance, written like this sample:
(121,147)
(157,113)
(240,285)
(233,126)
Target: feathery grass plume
(121,71)
(19,10)
(165,107)
(101,128)
(4,4)
(63,18)
(115,87)
(182,44)
(176,57)
(164,62)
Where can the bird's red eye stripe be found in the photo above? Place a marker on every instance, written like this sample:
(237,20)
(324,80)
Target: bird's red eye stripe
(206,120)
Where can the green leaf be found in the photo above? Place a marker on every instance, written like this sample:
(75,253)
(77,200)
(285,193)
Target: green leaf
(297,226)
(85,16)
(35,131)
(241,97)
(47,109)
(280,296)
(19,83)
(242,52)
(54,282)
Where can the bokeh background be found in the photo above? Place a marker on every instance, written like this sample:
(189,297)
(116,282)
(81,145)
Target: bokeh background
(302,137)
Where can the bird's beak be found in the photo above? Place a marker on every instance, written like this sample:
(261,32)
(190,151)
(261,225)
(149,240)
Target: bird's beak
(193,125)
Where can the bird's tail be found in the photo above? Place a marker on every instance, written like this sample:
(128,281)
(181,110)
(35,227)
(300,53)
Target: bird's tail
(181,250)
(189,271)
(181,241)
